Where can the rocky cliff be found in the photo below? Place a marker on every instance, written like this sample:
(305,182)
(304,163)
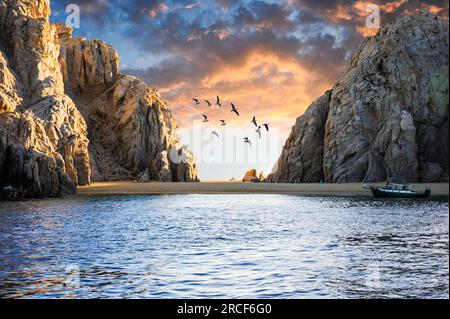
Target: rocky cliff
(68,117)
(386,117)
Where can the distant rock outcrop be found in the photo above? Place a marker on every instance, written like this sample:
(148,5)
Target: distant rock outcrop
(68,117)
(252,177)
(385,118)
(249,176)
(132,133)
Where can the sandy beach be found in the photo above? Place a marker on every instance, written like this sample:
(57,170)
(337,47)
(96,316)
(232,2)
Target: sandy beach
(218,187)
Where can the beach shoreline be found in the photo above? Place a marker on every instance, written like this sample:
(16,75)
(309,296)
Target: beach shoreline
(122,188)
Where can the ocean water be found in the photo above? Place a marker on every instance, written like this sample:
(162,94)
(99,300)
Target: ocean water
(224,246)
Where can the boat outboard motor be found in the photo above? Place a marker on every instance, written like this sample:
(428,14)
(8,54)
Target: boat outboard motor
(428,191)
(6,192)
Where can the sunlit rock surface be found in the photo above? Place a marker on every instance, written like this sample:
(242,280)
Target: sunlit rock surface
(68,117)
(252,177)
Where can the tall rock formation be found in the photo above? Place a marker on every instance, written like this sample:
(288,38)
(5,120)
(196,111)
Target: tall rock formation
(53,131)
(132,133)
(68,117)
(386,117)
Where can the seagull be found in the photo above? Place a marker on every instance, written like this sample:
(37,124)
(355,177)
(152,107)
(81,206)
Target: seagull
(234,109)
(196,101)
(259,131)
(246,140)
(209,103)
(218,102)
(205,118)
(215,133)
(254,121)
(266,126)
(223,123)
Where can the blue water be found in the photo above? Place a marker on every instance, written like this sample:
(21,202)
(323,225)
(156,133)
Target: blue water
(224,246)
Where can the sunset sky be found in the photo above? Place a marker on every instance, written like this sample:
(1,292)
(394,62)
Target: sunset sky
(270,58)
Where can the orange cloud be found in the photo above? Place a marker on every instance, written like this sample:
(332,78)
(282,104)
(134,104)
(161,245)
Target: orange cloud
(163,7)
(432,9)
(361,6)
(441,11)
(220,34)
(360,10)
(341,13)
(153,13)
(273,89)
(367,32)
(390,7)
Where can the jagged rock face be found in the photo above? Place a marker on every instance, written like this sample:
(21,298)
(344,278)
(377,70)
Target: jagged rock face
(385,118)
(67,131)
(28,160)
(67,91)
(33,9)
(302,156)
(132,132)
(132,124)
(88,66)
(31,42)
(31,80)
(10,90)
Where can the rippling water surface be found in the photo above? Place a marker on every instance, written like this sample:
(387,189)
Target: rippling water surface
(224,246)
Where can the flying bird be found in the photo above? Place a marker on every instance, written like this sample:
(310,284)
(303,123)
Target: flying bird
(196,101)
(246,140)
(266,126)
(218,102)
(223,123)
(215,133)
(234,109)
(254,121)
(259,131)
(209,103)
(205,118)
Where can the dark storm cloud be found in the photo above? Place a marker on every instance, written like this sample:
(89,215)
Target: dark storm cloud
(110,13)
(199,48)
(261,14)
(217,54)
(225,4)
(239,46)
(91,6)
(328,8)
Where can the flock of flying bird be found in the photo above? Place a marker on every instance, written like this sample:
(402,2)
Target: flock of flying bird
(233,110)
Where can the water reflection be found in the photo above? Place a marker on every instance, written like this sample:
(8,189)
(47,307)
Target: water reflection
(239,246)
